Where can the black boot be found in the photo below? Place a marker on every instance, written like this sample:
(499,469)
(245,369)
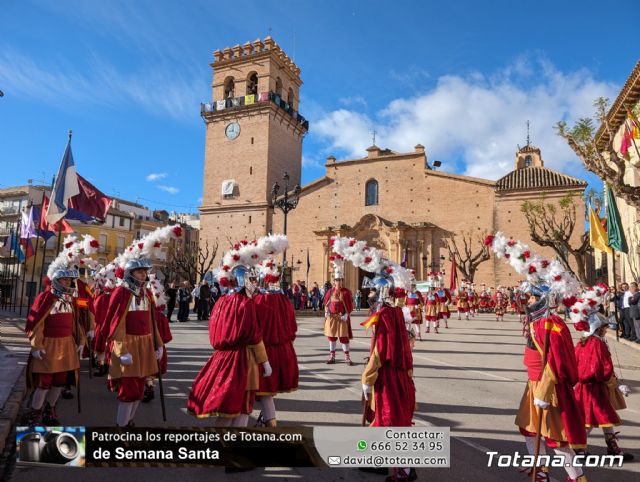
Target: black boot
(34,417)
(49,416)
(149,394)
(613,449)
(67,394)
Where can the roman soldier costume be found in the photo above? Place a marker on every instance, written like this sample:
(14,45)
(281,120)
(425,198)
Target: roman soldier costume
(226,386)
(133,343)
(444,299)
(501,304)
(598,390)
(55,334)
(548,401)
(387,383)
(462,301)
(483,306)
(431,305)
(414,303)
(277,320)
(338,304)
(105,283)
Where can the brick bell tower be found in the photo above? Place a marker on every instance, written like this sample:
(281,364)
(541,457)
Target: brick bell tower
(254,134)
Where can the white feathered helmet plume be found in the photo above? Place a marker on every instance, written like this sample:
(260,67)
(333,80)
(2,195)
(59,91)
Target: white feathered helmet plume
(157,290)
(584,312)
(140,253)
(388,273)
(245,255)
(539,272)
(65,265)
(106,278)
(269,272)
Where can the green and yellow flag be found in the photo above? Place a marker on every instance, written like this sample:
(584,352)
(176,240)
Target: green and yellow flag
(597,235)
(615,233)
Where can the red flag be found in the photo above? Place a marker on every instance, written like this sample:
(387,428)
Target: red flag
(89,204)
(453,283)
(60,226)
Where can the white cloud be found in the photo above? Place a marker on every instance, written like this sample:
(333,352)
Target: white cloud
(311,163)
(159,90)
(155,176)
(354,101)
(169,189)
(478,119)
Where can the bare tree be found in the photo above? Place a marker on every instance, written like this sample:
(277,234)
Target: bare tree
(189,263)
(611,167)
(552,225)
(469,251)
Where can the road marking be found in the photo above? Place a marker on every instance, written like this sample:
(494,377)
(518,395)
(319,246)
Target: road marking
(433,360)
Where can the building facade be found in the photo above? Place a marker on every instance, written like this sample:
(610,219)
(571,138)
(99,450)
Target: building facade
(627,264)
(396,201)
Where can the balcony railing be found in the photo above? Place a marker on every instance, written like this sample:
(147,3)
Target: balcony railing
(246,100)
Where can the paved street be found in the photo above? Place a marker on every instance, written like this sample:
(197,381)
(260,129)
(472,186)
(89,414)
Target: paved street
(469,377)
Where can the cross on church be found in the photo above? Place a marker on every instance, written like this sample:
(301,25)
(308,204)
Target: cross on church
(374,137)
(528,140)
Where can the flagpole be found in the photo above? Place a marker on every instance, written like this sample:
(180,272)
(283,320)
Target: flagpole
(24,275)
(44,228)
(615,287)
(16,268)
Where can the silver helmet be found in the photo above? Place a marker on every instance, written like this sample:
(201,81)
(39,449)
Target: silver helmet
(130,267)
(384,286)
(58,288)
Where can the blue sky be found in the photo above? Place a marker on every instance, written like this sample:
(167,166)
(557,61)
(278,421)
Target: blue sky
(459,77)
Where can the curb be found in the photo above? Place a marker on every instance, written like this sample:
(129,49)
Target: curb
(631,344)
(8,417)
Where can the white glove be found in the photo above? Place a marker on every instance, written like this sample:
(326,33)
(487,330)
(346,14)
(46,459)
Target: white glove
(266,366)
(345,317)
(541,403)
(100,357)
(624,389)
(90,334)
(38,354)
(80,349)
(159,353)
(126,359)
(366,391)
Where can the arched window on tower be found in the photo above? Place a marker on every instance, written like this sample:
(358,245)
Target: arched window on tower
(229,88)
(371,193)
(279,87)
(252,84)
(527,161)
(290,97)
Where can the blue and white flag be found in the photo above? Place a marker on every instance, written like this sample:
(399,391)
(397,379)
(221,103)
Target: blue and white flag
(65,187)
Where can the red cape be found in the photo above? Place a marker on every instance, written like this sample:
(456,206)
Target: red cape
(348,304)
(595,369)
(100,308)
(220,387)
(562,362)
(277,320)
(41,305)
(394,391)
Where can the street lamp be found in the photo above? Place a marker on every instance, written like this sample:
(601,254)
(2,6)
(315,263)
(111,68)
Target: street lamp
(285,203)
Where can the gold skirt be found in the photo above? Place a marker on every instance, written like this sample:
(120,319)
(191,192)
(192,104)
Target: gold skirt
(527,417)
(335,327)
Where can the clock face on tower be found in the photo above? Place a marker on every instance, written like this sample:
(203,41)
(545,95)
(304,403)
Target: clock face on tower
(232,131)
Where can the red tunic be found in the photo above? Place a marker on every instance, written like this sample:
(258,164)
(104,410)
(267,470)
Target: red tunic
(562,362)
(595,370)
(100,306)
(394,391)
(277,320)
(348,305)
(165,335)
(220,387)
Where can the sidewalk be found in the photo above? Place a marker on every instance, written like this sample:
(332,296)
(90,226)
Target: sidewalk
(14,350)
(632,344)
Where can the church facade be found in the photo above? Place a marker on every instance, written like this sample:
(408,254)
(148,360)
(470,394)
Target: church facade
(397,201)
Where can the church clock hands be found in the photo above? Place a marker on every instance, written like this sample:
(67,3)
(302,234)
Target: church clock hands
(232,130)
